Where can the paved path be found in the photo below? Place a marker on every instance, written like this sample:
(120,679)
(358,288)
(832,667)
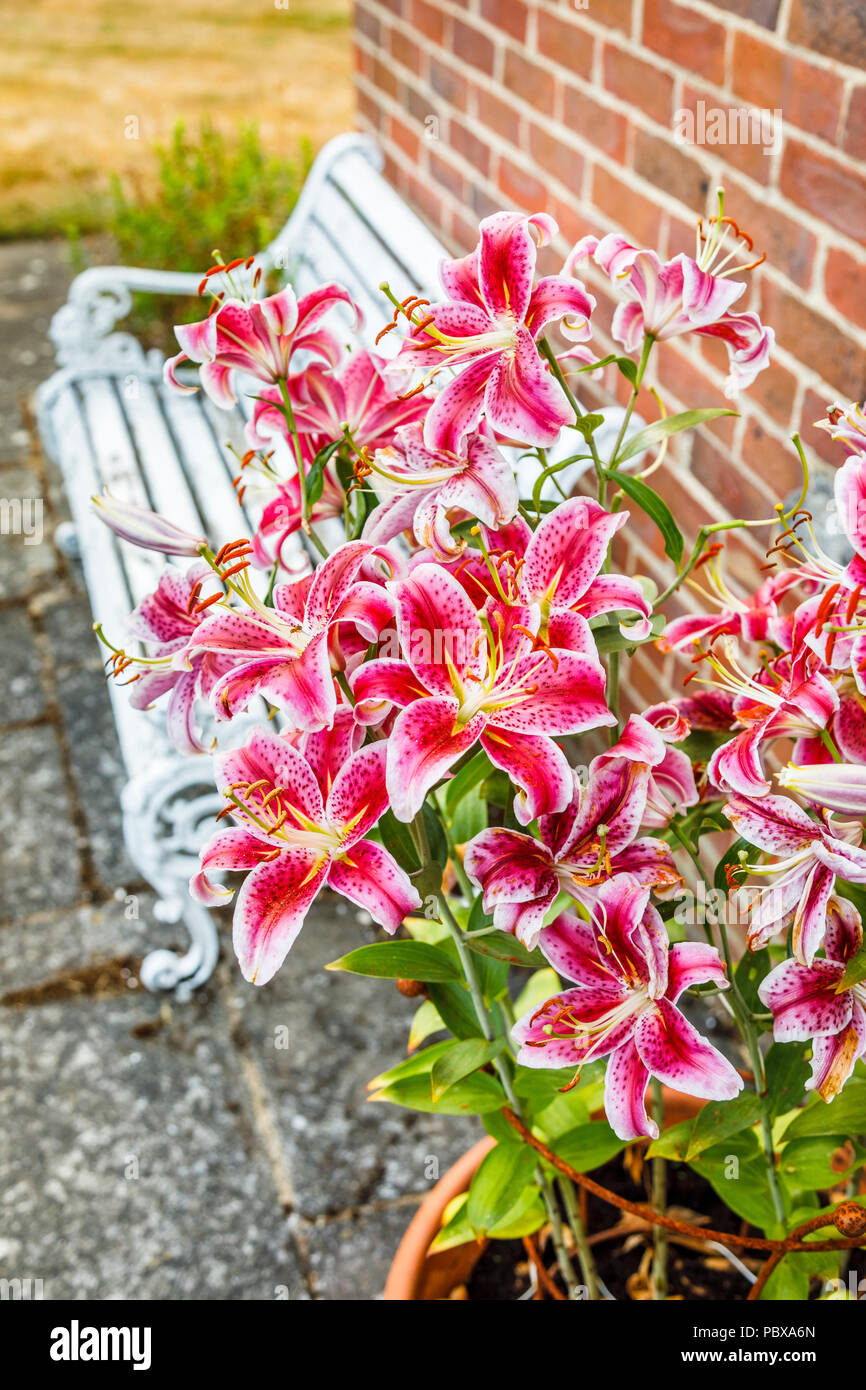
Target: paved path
(220,1149)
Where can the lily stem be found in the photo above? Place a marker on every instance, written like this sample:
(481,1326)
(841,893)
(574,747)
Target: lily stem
(743,1015)
(501,1067)
(299,464)
(547,352)
(660,1192)
(581,1241)
(647,348)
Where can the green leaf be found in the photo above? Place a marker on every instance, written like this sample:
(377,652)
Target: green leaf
(435,835)
(560,1114)
(735,1170)
(425,1021)
(526,1216)
(658,511)
(470,776)
(497,1185)
(663,429)
(470,817)
(398,960)
(608,637)
(474,1095)
(588,424)
(720,1118)
(673,1142)
(808,1164)
(395,834)
(588,1146)
(460,1059)
(315,476)
(844,1115)
(627,368)
(787,1073)
(501,945)
(541,985)
(418,1064)
(454,1005)
(789,1282)
(855,971)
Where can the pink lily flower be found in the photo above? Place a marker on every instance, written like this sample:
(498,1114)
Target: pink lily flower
(624,1008)
(847,425)
(812,853)
(789,700)
(144,528)
(806,1003)
(258,337)
(463,680)
(586,844)
(755,619)
(849,489)
(355,396)
(167,621)
(296,832)
(557,569)
(281,517)
(836,786)
(282,653)
(420,489)
(684,295)
(488,329)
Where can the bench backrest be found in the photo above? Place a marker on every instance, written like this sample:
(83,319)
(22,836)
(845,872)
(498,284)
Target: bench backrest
(349,225)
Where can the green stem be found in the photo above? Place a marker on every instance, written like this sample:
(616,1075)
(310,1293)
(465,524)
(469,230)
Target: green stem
(702,538)
(499,1063)
(659,1192)
(547,352)
(828,743)
(647,348)
(299,464)
(502,1071)
(578,1230)
(743,1015)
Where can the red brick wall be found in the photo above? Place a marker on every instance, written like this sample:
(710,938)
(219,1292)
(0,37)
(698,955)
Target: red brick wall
(572,109)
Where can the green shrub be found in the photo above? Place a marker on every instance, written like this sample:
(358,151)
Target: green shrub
(211,193)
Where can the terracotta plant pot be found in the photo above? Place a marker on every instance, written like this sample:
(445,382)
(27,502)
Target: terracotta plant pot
(416,1275)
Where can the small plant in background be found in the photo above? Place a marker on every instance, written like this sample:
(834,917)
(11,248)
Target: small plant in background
(211,189)
(436,684)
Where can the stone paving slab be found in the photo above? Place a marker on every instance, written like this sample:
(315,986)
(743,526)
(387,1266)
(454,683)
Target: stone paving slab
(320,1037)
(38,950)
(21,693)
(39,862)
(98,772)
(130,1167)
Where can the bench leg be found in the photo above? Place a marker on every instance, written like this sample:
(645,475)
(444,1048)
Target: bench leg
(164,970)
(168,814)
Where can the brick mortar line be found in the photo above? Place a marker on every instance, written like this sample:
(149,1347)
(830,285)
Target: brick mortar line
(712,165)
(850,77)
(644,121)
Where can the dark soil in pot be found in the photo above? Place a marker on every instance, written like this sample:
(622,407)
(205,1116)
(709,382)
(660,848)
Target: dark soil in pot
(502,1272)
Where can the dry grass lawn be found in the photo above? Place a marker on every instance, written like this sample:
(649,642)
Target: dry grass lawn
(73,74)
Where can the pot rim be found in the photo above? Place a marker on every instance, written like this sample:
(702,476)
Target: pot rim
(403,1276)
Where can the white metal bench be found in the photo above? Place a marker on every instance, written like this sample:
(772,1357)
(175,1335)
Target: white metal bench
(107,420)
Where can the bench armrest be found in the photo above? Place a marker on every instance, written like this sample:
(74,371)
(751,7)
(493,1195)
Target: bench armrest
(102,295)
